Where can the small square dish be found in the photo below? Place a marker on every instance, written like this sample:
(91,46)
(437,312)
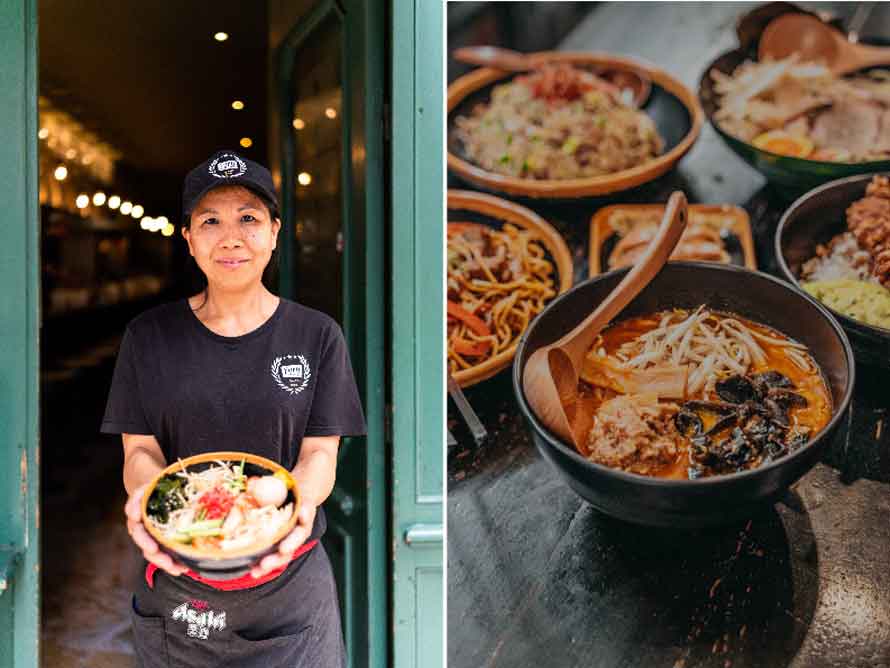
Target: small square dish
(715,233)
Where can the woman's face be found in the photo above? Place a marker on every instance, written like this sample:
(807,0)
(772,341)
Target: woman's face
(231,236)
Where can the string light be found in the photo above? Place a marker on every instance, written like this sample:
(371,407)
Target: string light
(126,208)
(299,124)
(60,173)
(114,201)
(246,142)
(82,201)
(221,36)
(237,105)
(99,198)
(304,178)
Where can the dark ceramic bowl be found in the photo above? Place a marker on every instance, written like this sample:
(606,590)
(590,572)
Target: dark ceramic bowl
(796,175)
(236,563)
(706,501)
(814,219)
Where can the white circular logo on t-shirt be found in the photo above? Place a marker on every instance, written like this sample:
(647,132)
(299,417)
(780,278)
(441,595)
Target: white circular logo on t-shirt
(227,166)
(291,373)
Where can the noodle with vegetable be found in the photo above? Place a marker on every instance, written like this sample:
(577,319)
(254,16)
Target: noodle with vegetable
(220,509)
(498,280)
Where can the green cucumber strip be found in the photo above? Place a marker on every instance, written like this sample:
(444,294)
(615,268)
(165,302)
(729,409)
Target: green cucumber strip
(204,533)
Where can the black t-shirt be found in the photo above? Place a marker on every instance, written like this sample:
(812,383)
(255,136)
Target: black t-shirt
(196,391)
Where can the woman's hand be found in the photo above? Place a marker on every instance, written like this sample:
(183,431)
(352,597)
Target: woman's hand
(290,543)
(148,545)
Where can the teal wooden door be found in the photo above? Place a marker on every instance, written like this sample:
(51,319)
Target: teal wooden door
(330,71)
(418,334)
(19,329)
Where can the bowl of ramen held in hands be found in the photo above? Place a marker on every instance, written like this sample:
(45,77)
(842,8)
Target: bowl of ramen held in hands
(703,401)
(219,513)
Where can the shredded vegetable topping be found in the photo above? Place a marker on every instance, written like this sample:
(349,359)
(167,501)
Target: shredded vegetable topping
(712,346)
(217,509)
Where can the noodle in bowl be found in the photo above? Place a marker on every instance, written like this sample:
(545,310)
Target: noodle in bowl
(730,292)
(211,512)
(501,273)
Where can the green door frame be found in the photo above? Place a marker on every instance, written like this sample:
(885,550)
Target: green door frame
(357,508)
(19,335)
(418,332)
(416,590)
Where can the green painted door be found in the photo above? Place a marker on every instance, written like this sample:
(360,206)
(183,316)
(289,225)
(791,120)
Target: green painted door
(418,336)
(330,74)
(19,331)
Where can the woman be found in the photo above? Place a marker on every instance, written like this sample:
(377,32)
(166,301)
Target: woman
(205,374)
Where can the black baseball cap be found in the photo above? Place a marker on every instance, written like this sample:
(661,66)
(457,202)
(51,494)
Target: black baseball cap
(227,168)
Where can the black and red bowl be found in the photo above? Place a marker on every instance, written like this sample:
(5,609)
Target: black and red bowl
(814,219)
(223,565)
(713,500)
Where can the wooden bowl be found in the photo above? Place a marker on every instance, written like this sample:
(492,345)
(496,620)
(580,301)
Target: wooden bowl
(673,107)
(494,212)
(602,235)
(233,564)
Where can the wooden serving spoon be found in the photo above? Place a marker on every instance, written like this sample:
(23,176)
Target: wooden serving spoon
(514,61)
(550,377)
(813,40)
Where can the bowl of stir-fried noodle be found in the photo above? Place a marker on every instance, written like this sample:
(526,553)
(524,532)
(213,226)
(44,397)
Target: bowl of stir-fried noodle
(562,131)
(505,263)
(221,512)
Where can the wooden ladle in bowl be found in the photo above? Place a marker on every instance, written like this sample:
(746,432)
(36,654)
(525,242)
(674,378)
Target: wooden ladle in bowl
(813,40)
(550,377)
(639,87)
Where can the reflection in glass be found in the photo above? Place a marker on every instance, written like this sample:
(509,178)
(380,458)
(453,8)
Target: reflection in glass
(318,142)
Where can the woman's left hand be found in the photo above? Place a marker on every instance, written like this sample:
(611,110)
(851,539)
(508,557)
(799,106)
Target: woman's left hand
(290,543)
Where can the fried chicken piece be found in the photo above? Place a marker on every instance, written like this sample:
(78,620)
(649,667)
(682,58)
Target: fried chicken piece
(869,221)
(635,433)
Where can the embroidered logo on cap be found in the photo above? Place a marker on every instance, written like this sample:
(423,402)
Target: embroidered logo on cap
(291,373)
(227,166)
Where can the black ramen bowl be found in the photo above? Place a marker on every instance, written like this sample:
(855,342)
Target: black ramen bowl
(814,219)
(705,501)
(230,565)
(795,175)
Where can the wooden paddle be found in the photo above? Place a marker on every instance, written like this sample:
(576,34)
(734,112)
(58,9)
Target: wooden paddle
(813,40)
(550,377)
